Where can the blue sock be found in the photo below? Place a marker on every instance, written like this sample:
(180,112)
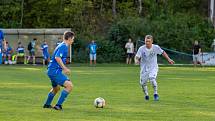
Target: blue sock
(50,98)
(62,98)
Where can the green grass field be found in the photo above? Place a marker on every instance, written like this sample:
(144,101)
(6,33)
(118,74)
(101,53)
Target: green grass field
(186,94)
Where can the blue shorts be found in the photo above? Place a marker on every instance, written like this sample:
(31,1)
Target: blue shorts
(58,79)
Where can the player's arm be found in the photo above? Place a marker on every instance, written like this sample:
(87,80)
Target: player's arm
(138,56)
(60,62)
(137,60)
(165,55)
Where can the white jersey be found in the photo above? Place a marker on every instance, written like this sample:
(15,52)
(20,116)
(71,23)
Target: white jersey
(130,47)
(148,57)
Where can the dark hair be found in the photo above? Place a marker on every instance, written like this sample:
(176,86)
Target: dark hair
(35,39)
(19,43)
(68,34)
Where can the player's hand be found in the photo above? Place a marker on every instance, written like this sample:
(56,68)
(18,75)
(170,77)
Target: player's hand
(171,61)
(66,71)
(137,62)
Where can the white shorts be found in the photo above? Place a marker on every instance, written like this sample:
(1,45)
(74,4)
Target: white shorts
(149,75)
(92,56)
(196,58)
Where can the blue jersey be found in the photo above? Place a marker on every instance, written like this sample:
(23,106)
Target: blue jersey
(20,49)
(92,48)
(8,50)
(45,49)
(60,51)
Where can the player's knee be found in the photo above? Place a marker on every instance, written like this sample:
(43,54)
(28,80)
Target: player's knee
(55,90)
(68,86)
(153,82)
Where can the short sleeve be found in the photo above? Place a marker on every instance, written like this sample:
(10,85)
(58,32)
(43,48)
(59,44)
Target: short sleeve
(60,51)
(139,52)
(159,50)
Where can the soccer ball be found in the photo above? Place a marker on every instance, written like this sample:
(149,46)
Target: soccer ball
(99,102)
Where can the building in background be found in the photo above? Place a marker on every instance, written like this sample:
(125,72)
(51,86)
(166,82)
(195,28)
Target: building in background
(13,36)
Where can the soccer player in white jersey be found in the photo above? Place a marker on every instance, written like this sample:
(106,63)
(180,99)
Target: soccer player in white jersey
(147,58)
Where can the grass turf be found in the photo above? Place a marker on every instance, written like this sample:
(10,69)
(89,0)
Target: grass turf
(186,94)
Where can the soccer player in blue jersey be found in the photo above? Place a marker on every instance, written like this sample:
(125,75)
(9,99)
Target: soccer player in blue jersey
(45,49)
(1,44)
(20,52)
(92,48)
(7,51)
(55,68)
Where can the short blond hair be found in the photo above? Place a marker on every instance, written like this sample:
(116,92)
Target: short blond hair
(149,37)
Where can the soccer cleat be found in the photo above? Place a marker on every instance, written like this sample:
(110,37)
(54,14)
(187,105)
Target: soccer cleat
(47,106)
(146,97)
(156,97)
(58,107)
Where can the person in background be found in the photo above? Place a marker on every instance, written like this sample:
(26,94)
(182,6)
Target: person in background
(45,49)
(92,51)
(196,53)
(130,51)
(20,53)
(7,52)
(31,49)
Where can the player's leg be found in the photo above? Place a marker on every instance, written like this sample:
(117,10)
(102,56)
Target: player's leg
(34,59)
(94,58)
(130,58)
(16,58)
(152,79)
(52,93)
(194,60)
(48,58)
(4,58)
(44,60)
(68,86)
(127,59)
(143,83)
(50,97)
(29,57)
(10,59)
(155,87)
(91,58)
(24,59)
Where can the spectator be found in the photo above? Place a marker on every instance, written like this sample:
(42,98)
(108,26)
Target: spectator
(45,49)
(7,51)
(196,53)
(92,50)
(31,49)
(20,53)
(130,51)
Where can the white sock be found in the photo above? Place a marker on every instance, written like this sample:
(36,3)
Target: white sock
(145,89)
(155,86)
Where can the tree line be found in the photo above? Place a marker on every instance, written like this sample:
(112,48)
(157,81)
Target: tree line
(175,24)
